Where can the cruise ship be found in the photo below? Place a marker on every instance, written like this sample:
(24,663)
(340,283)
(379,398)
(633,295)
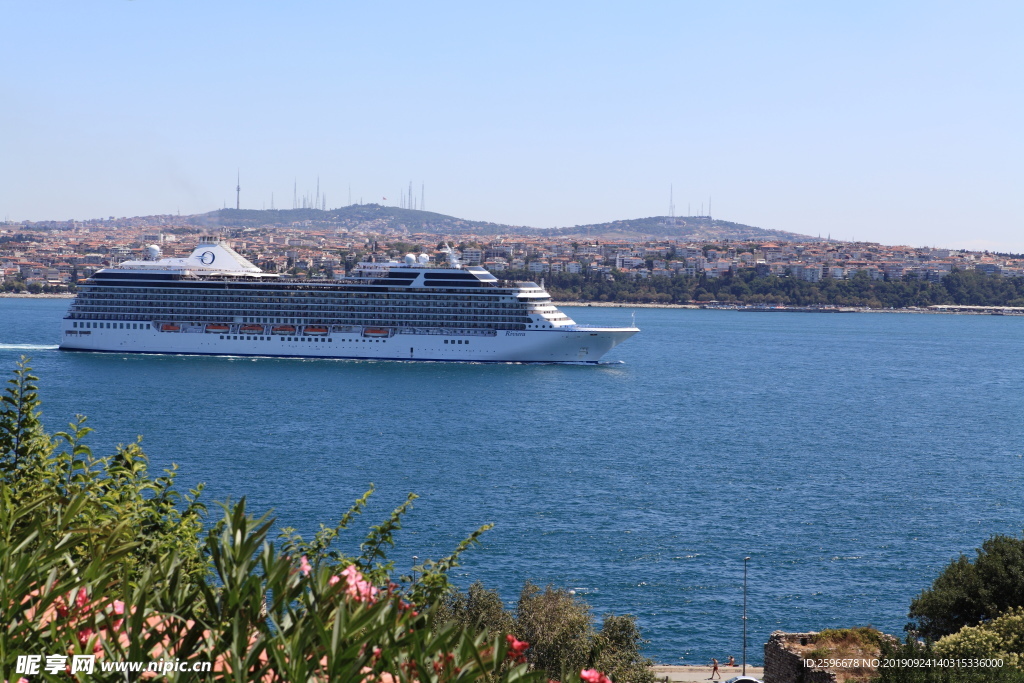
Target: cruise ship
(216,302)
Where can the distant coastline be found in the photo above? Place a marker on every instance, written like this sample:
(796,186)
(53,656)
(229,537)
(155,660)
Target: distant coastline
(617,304)
(790,309)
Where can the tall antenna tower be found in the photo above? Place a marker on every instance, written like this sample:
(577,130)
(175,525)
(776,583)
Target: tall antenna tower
(238,191)
(671,205)
(295,194)
(423,204)
(410,196)
(709,206)
(317,204)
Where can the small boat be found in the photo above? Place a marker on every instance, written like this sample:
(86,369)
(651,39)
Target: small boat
(251,329)
(314,331)
(375,331)
(217,328)
(282,329)
(170,327)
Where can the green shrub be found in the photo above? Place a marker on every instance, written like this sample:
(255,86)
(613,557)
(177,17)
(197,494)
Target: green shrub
(911,650)
(559,627)
(969,592)
(478,608)
(1000,638)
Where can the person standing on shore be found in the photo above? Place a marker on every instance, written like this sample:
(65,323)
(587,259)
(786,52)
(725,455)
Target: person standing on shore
(714,670)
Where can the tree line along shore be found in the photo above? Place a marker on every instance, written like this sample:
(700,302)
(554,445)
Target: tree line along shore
(959,288)
(745,287)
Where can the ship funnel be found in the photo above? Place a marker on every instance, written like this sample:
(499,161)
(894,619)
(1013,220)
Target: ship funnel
(453,256)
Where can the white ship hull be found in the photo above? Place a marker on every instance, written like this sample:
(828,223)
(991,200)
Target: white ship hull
(576,344)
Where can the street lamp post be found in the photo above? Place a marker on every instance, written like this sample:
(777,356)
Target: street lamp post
(745,560)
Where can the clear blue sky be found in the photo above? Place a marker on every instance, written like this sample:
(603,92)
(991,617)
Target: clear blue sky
(891,122)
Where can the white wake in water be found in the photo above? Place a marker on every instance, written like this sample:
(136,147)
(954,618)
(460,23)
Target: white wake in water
(30,347)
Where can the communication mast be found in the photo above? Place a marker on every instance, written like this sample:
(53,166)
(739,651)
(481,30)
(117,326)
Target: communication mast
(238,191)
(671,205)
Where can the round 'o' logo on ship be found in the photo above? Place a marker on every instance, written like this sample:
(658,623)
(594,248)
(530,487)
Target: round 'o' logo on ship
(207,257)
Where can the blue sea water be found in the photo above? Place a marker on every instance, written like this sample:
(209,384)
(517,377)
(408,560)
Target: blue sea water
(850,456)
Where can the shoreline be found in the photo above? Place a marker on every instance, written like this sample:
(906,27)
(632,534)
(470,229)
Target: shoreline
(993,310)
(792,309)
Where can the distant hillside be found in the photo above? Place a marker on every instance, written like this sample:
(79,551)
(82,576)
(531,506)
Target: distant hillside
(377,218)
(691,229)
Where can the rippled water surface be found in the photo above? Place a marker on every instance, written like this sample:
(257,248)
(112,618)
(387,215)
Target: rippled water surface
(850,456)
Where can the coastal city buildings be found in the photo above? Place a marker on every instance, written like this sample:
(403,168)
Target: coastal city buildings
(56,254)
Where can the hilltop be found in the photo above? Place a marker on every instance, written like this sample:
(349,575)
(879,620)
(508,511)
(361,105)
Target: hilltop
(374,217)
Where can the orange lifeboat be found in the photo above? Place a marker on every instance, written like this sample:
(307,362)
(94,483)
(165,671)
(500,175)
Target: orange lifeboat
(314,331)
(170,327)
(375,331)
(217,328)
(251,329)
(283,329)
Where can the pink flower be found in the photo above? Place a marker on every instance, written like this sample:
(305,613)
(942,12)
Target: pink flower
(84,635)
(333,580)
(594,676)
(82,600)
(118,609)
(60,606)
(356,587)
(304,566)
(516,648)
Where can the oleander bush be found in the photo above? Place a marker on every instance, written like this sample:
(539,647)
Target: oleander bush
(99,558)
